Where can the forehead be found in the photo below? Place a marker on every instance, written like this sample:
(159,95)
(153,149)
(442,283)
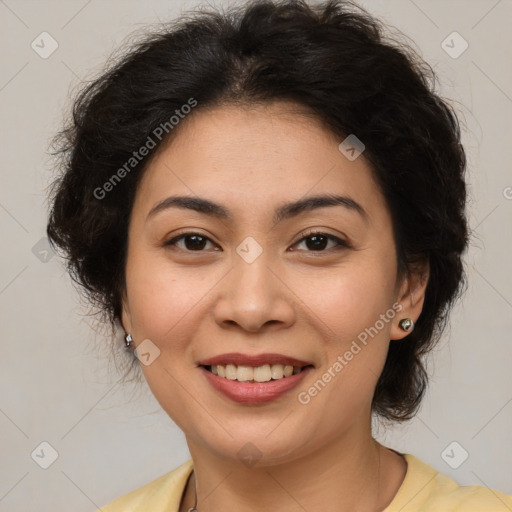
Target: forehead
(254,157)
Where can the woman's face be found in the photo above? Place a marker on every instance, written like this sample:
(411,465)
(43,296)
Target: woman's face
(254,280)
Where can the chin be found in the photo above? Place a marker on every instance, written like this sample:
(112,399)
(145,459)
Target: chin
(261,447)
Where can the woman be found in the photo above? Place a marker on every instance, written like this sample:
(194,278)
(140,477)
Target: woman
(270,204)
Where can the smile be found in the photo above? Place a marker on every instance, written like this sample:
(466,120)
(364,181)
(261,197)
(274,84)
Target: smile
(251,391)
(264,373)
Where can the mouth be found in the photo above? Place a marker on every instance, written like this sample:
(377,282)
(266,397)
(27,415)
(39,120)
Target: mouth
(254,368)
(255,374)
(256,379)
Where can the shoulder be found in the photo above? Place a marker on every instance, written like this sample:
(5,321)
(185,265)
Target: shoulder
(426,490)
(161,495)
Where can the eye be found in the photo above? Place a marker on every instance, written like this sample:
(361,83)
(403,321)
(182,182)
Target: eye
(194,242)
(318,242)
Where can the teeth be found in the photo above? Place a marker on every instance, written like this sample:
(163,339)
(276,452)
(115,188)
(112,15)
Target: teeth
(263,373)
(231,372)
(244,373)
(277,371)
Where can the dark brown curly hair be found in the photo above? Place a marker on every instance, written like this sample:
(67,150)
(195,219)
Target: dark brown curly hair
(333,58)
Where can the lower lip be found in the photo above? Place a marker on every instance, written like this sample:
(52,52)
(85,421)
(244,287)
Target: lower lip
(254,392)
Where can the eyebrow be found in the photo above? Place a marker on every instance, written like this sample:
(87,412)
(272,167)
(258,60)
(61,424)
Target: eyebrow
(285,211)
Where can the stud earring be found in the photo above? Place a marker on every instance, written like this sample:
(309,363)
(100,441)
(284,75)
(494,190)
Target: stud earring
(128,340)
(406,324)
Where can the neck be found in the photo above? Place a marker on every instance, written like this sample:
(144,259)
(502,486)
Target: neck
(342,476)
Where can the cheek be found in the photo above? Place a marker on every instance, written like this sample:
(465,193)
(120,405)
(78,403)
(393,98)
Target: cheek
(350,298)
(166,303)
(353,309)
(162,297)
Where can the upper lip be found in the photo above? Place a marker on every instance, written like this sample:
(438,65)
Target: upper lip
(237,358)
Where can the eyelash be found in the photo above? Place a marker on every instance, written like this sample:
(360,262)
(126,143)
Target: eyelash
(342,244)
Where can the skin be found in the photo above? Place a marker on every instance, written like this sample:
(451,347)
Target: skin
(293,299)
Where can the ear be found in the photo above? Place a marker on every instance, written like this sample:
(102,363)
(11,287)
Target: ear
(411,297)
(126,317)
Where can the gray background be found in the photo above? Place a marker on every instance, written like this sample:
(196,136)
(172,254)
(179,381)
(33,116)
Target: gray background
(55,381)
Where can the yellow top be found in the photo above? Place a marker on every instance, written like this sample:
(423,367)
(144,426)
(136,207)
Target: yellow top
(423,490)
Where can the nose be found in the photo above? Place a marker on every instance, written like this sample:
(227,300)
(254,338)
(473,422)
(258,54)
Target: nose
(254,297)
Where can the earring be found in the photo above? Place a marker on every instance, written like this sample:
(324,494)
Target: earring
(406,324)
(128,340)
